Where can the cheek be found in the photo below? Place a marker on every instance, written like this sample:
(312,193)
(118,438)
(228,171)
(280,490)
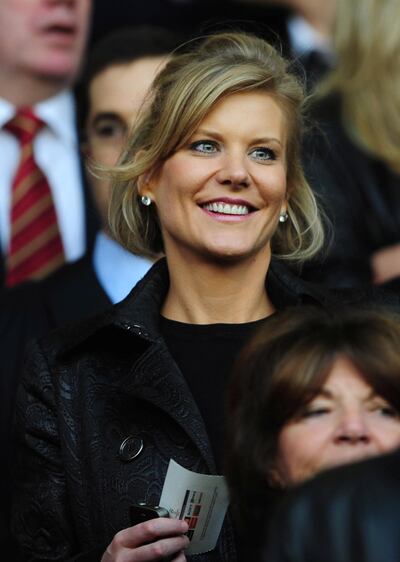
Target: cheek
(105,155)
(274,186)
(299,451)
(388,437)
(171,186)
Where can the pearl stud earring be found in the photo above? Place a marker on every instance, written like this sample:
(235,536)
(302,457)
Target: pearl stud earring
(146,201)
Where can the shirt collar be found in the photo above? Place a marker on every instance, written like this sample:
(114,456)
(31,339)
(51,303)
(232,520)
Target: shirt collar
(58,112)
(117,269)
(7,112)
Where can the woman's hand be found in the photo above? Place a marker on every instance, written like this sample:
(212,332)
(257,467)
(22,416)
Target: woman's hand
(155,539)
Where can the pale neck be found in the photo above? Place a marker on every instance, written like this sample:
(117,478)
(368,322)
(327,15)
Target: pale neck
(208,293)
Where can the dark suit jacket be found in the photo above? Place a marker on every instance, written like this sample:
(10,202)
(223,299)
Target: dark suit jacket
(350,514)
(28,311)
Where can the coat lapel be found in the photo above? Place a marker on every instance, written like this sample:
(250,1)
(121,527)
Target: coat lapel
(156,378)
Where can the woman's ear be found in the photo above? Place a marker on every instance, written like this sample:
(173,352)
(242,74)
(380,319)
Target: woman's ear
(146,185)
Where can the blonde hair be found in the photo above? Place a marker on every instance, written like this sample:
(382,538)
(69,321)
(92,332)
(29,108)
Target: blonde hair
(181,96)
(367,75)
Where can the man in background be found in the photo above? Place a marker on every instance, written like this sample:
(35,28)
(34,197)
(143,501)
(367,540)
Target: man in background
(45,216)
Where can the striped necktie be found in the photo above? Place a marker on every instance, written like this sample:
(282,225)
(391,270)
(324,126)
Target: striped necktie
(35,244)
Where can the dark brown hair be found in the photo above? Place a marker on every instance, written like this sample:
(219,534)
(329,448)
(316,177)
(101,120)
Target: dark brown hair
(281,369)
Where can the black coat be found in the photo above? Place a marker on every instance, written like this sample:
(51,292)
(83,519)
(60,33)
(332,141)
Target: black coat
(28,311)
(86,389)
(32,309)
(350,514)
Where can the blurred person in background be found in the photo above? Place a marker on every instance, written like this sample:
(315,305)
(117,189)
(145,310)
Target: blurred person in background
(118,73)
(300,29)
(45,214)
(315,388)
(309,28)
(191,18)
(349,514)
(352,158)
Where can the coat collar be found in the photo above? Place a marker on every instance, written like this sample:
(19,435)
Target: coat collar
(154,376)
(142,306)
(139,312)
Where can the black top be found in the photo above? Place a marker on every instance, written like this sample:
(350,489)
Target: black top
(205,354)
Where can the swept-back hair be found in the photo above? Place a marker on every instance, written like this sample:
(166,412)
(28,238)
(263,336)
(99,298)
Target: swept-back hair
(182,94)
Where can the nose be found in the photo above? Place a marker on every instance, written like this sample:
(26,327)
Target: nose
(233,172)
(352,429)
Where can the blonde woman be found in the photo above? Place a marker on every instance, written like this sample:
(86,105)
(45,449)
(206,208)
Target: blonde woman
(356,163)
(210,177)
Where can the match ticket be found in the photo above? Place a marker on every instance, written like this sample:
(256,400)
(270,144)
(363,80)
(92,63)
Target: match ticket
(199,499)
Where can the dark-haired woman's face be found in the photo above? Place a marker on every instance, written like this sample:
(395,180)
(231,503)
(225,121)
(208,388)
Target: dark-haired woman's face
(220,195)
(347,421)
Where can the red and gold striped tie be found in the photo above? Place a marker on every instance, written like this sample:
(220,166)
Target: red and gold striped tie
(35,245)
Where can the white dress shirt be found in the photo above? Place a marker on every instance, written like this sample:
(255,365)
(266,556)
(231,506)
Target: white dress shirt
(117,270)
(56,151)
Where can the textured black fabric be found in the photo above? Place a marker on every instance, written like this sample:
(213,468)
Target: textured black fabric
(27,311)
(85,389)
(350,514)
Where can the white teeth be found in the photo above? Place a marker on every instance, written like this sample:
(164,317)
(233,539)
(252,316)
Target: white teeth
(227,209)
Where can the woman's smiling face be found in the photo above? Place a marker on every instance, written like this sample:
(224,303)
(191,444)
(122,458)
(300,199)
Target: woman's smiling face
(219,197)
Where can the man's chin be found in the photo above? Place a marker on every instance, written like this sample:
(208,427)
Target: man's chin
(59,67)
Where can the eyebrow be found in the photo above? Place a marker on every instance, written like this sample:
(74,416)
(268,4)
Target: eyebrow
(324,393)
(214,134)
(106,115)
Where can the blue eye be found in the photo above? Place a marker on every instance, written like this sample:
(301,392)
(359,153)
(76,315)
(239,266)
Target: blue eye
(206,147)
(263,153)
